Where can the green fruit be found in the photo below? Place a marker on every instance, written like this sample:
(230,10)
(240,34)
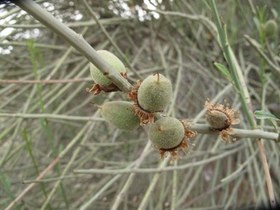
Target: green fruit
(120,114)
(167,133)
(97,76)
(271,28)
(154,93)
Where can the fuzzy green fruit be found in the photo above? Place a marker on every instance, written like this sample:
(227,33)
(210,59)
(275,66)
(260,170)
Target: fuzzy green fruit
(154,93)
(97,76)
(271,28)
(167,133)
(120,114)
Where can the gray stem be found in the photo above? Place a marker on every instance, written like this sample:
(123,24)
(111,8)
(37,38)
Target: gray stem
(76,40)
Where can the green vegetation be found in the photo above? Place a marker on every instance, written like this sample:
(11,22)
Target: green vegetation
(57,150)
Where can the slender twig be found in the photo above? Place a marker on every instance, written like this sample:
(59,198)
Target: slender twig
(178,80)
(239,80)
(110,39)
(53,81)
(174,187)
(147,195)
(134,165)
(76,40)
(30,186)
(240,169)
(49,167)
(236,133)
(256,46)
(156,170)
(50,116)
(188,16)
(109,21)
(199,128)
(66,169)
(52,179)
(131,177)
(23,44)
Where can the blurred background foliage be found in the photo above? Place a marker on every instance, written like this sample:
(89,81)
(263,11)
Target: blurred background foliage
(170,37)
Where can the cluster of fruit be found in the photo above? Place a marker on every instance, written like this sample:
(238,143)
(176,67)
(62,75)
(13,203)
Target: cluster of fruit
(147,99)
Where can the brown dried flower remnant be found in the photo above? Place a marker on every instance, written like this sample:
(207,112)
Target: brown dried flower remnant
(220,117)
(95,89)
(146,117)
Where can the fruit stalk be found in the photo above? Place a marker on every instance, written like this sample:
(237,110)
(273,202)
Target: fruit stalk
(199,128)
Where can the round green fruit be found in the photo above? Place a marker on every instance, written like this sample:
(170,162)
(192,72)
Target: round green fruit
(154,93)
(271,28)
(97,76)
(120,114)
(167,133)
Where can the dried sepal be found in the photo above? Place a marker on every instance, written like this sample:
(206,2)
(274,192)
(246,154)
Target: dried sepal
(146,117)
(95,89)
(134,90)
(188,132)
(227,137)
(174,152)
(220,116)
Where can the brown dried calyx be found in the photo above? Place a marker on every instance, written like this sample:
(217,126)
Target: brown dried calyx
(220,117)
(145,116)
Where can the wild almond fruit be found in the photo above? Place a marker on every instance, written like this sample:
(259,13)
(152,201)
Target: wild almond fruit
(120,114)
(154,93)
(102,83)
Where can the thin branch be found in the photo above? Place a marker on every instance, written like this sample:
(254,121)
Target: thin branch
(30,186)
(23,44)
(107,21)
(236,133)
(130,179)
(110,39)
(156,170)
(240,83)
(53,81)
(256,46)
(199,128)
(76,40)
(50,116)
